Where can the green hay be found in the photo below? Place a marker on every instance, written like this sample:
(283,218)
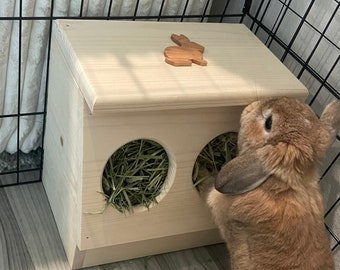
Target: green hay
(213,156)
(134,175)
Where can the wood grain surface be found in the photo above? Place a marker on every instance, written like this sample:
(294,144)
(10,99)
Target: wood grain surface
(29,239)
(119,66)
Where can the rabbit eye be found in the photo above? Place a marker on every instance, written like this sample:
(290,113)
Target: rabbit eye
(268,123)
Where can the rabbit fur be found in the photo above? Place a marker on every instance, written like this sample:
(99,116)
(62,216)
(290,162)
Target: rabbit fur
(266,202)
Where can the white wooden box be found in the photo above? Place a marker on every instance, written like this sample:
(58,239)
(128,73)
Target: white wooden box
(109,85)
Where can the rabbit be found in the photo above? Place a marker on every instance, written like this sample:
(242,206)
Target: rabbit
(266,202)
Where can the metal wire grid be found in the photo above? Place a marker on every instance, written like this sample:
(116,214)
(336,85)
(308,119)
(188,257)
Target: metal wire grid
(179,17)
(257,24)
(254,18)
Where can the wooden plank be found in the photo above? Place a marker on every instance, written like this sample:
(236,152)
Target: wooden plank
(62,172)
(14,252)
(220,255)
(149,247)
(198,258)
(37,227)
(183,133)
(26,221)
(120,66)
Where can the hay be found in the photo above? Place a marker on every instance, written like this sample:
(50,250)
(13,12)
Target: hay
(134,175)
(213,156)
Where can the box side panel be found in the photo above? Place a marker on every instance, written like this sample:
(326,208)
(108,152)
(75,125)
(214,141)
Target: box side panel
(183,133)
(148,247)
(63,151)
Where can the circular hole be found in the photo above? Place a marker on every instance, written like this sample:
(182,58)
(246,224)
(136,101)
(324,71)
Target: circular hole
(135,174)
(213,156)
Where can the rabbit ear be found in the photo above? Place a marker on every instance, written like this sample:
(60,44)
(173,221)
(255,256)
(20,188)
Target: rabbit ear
(330,121)
(240,175)
(330,117)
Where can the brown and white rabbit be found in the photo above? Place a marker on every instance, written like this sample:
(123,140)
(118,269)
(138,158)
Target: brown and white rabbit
(266,202)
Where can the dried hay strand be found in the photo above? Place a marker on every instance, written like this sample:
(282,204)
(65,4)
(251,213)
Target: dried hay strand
(134,175)
(214,155)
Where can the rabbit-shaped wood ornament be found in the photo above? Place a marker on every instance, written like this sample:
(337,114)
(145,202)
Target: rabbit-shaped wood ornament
(266,202)
(186,53)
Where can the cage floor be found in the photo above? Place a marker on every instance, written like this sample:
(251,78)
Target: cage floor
(29,239)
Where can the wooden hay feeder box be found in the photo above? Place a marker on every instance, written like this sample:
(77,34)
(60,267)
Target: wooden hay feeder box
(109,85)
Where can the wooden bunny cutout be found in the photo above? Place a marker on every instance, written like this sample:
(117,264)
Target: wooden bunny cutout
(187,53)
